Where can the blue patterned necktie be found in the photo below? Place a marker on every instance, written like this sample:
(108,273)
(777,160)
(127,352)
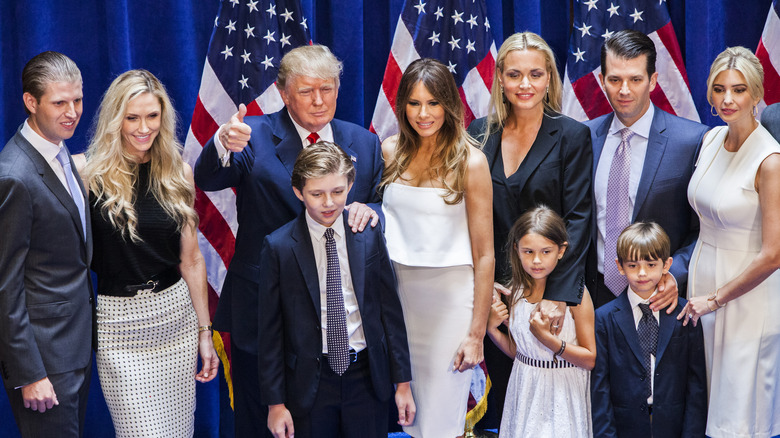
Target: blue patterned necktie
(647,329)
(618,211)
(336,332)
(75,189)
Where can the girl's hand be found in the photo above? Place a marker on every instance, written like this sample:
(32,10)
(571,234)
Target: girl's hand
(499,314)
(539,323)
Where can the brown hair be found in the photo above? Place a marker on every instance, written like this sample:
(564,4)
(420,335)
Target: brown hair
(540,220)
(452,152)
(46,68)
(321,159)
(643,241)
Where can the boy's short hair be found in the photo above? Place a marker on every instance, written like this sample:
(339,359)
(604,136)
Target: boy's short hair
(643,241)
(321,159)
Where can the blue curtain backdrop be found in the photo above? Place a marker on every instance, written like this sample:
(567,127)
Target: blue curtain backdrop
(170,38)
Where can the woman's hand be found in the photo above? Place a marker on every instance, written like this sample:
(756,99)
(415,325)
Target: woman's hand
(469,354)
(541,327)
(694,309)
(208,357)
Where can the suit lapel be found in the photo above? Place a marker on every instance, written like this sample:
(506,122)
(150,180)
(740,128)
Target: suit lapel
(624,318)
(55,185)
(288,143)
(304,254)
(666,326)
(601,136)
(356,252)
(656,145)
(545,141)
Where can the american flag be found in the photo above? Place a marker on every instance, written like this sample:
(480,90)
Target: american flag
(455,32)
(249,39)
(768,53)
(596,20)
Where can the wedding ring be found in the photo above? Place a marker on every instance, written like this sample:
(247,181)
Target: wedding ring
(690,315)
(555,326)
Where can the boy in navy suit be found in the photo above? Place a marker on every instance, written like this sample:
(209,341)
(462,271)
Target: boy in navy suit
(650,377)
(332,339)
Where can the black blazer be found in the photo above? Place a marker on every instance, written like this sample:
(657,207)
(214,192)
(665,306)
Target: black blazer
(46,302)
(555,173)
(290,336)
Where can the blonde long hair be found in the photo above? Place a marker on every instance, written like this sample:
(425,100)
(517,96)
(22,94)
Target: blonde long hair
(453,142)
(500,108)
(112,172)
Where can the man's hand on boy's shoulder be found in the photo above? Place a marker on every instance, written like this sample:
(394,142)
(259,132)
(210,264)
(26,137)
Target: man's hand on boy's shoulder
(359,215)
(666,297)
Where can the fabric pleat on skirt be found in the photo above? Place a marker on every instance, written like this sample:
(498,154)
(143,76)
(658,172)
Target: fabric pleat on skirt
(147,359)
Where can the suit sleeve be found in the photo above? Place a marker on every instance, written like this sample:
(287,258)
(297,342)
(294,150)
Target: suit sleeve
(270,330)
(393,318)
(695,419)
(682,256)
(601,403)
(20,358)
(567,281)
(210,175)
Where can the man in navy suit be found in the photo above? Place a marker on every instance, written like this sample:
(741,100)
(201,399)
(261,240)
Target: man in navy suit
(650,376)
(256,156)
(46,303)
(663,152)
(322,376)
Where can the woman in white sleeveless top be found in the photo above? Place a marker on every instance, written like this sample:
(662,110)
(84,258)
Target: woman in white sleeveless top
(733,280)
(438,210)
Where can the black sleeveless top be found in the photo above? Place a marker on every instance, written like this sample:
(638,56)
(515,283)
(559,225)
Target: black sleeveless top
(120,262)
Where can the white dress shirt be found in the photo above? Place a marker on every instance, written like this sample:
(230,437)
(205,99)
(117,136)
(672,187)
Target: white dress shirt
(326,134)
(357,340)
(49,151)
(641,129)
(635,301)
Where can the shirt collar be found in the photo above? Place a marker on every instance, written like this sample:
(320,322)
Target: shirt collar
(46,148)
(641,127)
(635,299)
(326,133)
(317,230)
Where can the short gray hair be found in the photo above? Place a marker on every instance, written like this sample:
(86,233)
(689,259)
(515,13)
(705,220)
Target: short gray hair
(46,68)
(316,61)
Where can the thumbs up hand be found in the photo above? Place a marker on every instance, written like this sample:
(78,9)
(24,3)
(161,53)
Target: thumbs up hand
(235,134)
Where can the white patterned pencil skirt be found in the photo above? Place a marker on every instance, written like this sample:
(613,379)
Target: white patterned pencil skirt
(146,359)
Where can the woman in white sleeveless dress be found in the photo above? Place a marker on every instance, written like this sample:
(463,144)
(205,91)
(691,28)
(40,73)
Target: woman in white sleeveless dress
(438,212)
(734,283)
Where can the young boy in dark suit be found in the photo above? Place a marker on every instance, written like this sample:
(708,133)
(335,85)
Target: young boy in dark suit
(650,376)
(332,339)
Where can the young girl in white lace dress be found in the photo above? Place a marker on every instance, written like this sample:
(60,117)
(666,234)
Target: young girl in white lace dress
(548,392)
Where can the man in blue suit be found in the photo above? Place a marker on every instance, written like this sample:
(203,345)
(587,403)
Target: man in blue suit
(660,155)
(332,332)
(256,156)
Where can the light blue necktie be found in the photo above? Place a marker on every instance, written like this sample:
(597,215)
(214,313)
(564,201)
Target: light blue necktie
(75,188)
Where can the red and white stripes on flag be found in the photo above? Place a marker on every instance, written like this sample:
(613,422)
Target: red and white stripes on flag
(440,33)
(768,53)
(583,95)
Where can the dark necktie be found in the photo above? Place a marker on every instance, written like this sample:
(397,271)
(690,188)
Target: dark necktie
(647,329)
(73,186)
(338,341)
(618,211)
(313,138)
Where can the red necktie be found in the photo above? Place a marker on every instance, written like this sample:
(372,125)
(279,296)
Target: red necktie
(313,138)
